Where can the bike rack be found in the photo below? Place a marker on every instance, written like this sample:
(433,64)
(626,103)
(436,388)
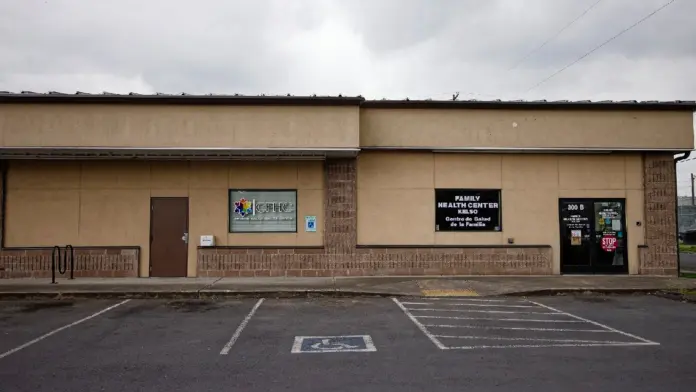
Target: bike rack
(62,262)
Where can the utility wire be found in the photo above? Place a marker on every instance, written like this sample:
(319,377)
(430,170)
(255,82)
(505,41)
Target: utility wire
(601,45)
(559,32)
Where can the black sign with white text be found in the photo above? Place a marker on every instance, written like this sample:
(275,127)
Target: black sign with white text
(467,210)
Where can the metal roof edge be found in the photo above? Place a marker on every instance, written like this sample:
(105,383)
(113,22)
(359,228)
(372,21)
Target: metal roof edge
(527,105)
(184,99)
(339,100)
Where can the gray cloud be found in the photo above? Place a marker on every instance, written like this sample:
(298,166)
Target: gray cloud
(377,48)
(390,48)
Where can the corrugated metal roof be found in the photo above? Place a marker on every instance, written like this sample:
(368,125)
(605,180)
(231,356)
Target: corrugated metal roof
(183,98)
(526,105)
(316,100)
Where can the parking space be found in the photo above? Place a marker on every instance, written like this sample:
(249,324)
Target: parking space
(141,342)
(24,321)
(465,323)
(369,344)
(279,321)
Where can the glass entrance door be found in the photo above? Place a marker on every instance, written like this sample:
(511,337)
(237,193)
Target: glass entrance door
(609,237)
(593,236)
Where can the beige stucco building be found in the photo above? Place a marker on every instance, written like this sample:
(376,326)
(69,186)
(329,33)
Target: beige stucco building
(320,186)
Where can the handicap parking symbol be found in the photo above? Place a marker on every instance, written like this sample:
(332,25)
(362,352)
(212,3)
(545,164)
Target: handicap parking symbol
(333,344)
(311,223)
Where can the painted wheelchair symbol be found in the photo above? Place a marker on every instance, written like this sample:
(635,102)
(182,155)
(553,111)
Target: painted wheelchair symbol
(333,344)
(327,344)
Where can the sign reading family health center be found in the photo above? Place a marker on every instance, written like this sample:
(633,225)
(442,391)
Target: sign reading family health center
(467,210)
(263,211)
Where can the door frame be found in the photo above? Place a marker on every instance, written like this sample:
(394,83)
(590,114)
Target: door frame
(576,269)
(152,198)
(592,269)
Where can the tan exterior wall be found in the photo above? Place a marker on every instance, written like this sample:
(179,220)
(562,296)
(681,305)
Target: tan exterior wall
(181,126)
(107,203)
(140,126)
(396,198)
(526,129)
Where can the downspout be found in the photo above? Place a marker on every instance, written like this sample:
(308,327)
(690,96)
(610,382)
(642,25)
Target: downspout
(676,205)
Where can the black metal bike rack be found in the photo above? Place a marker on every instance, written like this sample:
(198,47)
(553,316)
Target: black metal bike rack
(62,262)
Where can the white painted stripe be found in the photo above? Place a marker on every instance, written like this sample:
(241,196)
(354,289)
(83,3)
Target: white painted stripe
(466,299)
(55,331)
(554,345)
(500,319)
(517,328)
(465,304)
(478,311)
(596,323)
(235,336)
(420,326)
(528,339)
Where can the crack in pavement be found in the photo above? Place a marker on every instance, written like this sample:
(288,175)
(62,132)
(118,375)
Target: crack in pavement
(208,286)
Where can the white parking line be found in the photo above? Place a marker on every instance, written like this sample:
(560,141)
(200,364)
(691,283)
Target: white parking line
(55,331)
(467,299)
(465,304)
(517,328)
(420,326)
(477,311)
(500,319)
(551,345)
(529,339)
(226,349)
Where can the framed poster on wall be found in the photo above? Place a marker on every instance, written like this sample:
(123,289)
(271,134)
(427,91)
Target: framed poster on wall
(467,210)
(262,211)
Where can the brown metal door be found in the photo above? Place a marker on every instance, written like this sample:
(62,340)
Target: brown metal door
(168,236)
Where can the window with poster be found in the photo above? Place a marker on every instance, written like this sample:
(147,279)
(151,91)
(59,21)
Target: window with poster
(467,210)
(262,211)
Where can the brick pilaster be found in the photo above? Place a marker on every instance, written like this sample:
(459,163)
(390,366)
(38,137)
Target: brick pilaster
(340,205)
(660,257)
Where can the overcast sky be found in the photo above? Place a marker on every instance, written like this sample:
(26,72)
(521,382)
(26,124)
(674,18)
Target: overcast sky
(375,48)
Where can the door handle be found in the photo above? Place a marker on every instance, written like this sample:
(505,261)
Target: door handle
(185,238)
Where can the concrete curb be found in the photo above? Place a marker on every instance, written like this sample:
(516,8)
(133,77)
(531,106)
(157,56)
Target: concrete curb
(212,294)
(552,292)
(308,293)
(676,296)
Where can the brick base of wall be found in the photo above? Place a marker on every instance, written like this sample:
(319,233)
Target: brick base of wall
(375,261)
(89,262)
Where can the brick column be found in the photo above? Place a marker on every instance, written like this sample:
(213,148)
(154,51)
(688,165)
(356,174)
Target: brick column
(660,257)
(340,216)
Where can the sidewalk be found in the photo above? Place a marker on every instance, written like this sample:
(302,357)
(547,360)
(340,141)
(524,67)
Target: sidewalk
(387,286)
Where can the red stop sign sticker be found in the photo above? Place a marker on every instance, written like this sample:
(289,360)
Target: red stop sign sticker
(609,243)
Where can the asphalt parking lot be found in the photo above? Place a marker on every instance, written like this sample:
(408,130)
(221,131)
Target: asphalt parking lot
(569,343)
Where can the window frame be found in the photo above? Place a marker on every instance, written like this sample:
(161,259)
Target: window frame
(470,230)
(230,211)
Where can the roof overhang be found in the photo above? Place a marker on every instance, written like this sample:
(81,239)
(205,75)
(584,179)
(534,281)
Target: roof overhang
(176,153)
(533,105)
(28,97)
(182,99)
(523,150)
